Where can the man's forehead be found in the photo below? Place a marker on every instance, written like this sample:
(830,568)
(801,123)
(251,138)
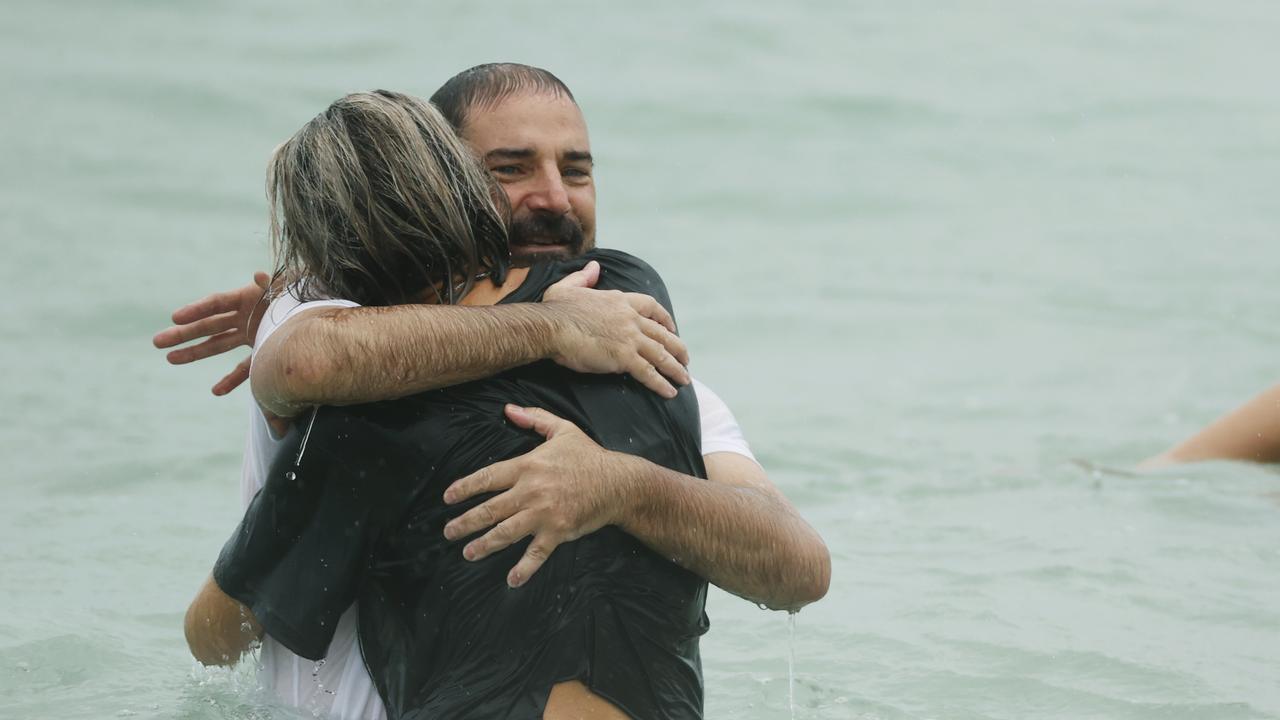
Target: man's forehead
(538,122)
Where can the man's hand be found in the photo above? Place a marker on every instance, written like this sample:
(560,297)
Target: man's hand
(226,320)
(540,499)
(218,628)
(608,331)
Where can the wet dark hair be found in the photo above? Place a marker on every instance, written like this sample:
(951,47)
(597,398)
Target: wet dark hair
(376,200)
(484,86)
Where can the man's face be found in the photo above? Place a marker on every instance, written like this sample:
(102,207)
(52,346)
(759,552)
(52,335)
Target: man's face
(536,146)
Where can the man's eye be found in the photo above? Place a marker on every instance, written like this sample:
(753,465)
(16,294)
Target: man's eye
(576,172)
(507,170)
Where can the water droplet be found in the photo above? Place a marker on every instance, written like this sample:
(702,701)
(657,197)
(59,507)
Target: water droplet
(791,662)
(291,476)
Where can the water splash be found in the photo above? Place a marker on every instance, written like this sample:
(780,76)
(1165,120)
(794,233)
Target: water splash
(315,677)
(791,662)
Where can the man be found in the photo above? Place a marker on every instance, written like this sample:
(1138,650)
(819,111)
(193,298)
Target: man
(737,531)
(354,509)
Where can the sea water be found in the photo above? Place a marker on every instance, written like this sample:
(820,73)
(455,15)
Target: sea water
(931,254)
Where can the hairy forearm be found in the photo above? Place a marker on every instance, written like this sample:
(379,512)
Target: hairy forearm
(745,540)
(353,355)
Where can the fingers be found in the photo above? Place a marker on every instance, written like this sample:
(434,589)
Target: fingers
(262,280)
(232,380)
(215,345)
(664,362)
(205,327)
(669,341)
(534,556)
(498,476)
(511,530)
(489,513)
(648,375)
(167,337)
(539,420)
(507,533)
(587,277)
(651,309)
(207,306)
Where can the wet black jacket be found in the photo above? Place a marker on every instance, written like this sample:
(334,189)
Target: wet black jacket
(360,518)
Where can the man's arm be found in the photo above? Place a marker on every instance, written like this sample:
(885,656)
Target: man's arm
(351,355)
(219,630)
(1251,432)
(735,529)
(342,356)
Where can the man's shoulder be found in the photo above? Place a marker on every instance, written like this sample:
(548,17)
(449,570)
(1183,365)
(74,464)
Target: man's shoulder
(618,271)
(610,258)
(626,272)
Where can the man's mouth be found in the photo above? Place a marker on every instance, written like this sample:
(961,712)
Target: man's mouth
(539,241)
(534,251)
(545,234)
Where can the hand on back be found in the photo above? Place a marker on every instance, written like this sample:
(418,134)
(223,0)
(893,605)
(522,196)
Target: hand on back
(608,331)
(567,487)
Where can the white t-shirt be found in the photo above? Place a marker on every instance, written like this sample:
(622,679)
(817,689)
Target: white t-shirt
(339,686)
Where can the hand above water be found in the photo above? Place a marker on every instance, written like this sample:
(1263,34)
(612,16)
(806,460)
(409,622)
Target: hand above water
(609,331)
(224,321)
(556,493)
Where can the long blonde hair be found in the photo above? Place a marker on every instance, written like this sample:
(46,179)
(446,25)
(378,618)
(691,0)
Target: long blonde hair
(377,200)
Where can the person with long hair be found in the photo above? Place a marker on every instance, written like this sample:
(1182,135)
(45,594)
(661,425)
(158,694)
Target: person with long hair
(377,200)
(737,531)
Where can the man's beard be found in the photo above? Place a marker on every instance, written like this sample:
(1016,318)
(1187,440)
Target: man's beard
(545,235)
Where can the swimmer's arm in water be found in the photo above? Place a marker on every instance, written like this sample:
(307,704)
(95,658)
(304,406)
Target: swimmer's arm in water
(219,630)
(1250,432)
(342,356)
(736,530)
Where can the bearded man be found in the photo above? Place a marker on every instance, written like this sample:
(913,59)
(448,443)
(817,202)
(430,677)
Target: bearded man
(734,529)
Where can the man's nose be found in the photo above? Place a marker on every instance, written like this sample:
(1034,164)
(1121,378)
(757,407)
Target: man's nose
(550,195)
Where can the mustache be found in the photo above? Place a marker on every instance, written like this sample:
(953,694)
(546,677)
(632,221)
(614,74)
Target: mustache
(545,228)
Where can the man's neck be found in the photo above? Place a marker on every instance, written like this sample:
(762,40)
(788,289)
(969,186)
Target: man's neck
(485,292)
